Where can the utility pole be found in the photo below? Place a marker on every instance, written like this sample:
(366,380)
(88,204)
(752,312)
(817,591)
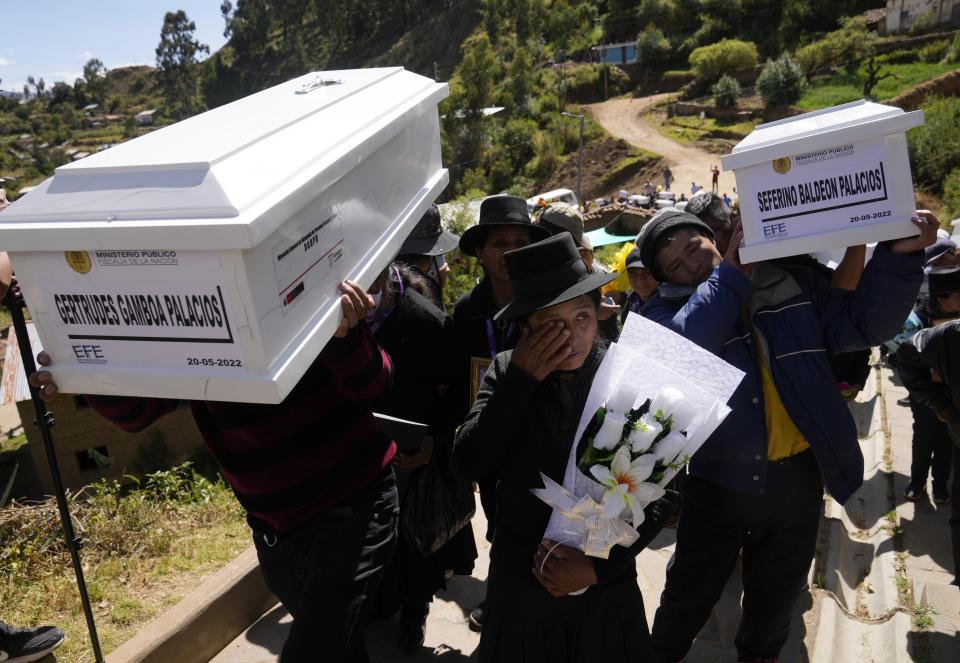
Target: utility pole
(579,116)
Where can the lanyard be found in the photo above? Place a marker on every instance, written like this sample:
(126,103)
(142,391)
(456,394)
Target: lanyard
(492,338)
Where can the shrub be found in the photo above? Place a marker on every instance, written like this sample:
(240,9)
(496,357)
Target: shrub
(953,52)
(935,146)
(725,92)
(951,192)
(711,62)
(846,46)
(934,51)
(781,82)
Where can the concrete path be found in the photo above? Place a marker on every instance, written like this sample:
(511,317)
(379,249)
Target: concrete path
(450,639)
(926,548)
(622,118)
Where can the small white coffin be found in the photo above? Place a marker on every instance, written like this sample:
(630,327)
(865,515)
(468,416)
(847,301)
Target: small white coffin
(202,261)
(823,180)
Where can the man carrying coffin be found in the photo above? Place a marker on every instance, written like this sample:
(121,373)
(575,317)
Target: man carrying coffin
(757,483)
(315,478)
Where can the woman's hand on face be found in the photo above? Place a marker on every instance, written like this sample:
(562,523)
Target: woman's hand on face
(540,351)
(43,380)
(413,461)
(564,570)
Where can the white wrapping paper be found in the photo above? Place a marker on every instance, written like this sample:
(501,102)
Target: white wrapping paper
(649,357)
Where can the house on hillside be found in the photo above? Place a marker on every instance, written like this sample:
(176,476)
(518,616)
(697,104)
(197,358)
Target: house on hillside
(145,118)
(97,121)
(88,446)
(89,108)
(903,14)
(622,53)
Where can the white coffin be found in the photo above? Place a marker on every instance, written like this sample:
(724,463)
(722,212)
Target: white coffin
(824,180)
(201,261)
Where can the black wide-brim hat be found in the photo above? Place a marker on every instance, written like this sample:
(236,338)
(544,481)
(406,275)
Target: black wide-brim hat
(428,238)
(547,273)
(944,280)
(497,212)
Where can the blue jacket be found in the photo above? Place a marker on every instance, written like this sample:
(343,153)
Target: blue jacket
(798,319)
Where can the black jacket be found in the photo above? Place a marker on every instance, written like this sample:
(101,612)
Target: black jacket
(518,428)
(936,348)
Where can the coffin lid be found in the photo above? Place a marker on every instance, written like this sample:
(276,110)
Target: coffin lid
(227,178)
(846,123)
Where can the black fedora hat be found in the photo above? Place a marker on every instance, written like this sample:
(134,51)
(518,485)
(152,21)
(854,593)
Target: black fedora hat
(428,238)
(547,273)
(497,212)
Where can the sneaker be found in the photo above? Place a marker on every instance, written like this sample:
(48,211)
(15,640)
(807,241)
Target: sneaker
(913,493)
(476,618)
(21,645)
(941,494)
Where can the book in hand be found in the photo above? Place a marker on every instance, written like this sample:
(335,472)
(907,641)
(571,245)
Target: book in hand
(408,435)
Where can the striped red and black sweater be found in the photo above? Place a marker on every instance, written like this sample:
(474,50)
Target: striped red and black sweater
(290,461)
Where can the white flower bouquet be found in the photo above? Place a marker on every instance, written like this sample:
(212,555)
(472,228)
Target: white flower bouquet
(654,401)
(630,450)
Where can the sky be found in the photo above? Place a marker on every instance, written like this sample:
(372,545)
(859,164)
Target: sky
(54,38)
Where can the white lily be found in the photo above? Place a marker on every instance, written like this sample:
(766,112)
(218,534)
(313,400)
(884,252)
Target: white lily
(626,484)
(622,399)
(608,437)
(669,448)
(644,433)
(671,402)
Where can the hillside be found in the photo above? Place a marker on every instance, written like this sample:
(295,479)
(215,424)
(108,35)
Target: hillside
(529,57)
(38,136)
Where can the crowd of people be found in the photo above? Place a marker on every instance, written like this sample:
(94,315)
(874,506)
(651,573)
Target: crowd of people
(335,506)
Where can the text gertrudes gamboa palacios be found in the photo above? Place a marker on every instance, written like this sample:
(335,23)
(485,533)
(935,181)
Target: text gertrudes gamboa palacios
(191,313)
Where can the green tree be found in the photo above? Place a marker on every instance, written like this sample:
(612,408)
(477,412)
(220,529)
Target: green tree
(622,20)
(727,55)
(478,71)
(521,78)
(726,92)
(873,69)
(177,56)
(781,82)
(653,48)
(951,192)
(95,77)
(226,10)
(935,146)
(845,47)
(61,94)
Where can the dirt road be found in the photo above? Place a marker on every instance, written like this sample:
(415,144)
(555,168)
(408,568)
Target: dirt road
(621,119)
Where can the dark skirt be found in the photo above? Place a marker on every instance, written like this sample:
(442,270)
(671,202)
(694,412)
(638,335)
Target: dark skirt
(525,624)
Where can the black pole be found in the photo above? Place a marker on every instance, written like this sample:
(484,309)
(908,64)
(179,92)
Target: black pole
(44,421)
